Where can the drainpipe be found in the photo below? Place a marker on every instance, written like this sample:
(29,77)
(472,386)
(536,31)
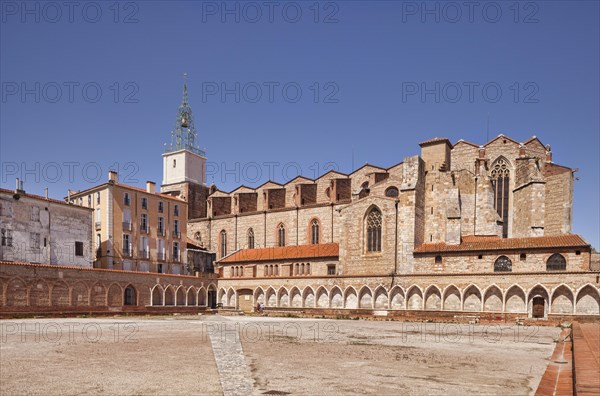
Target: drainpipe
(332,222)
(396,243)
(297,224)
(475,210)
(265,229)
(236,232)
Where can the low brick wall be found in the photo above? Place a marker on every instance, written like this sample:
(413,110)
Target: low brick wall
(50,290)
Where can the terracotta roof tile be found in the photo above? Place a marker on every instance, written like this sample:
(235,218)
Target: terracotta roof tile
(283,253)
(482,243)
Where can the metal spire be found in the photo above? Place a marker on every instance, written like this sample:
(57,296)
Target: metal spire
(184,136)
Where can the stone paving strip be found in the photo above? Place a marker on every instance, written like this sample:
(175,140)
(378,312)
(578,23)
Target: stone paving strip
(234,373)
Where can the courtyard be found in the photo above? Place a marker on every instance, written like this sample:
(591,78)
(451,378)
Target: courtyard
(213,354)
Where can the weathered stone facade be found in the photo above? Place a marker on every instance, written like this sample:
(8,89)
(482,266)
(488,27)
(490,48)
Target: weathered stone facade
(404,235)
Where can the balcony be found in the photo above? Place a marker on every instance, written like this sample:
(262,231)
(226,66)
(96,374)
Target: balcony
(127,226)
(176,234)
(161,232)
(161,256)
(176,259)
(143,229)
(144,254)
(98,225)
(126,252)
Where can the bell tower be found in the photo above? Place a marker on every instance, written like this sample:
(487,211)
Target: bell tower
(184,163)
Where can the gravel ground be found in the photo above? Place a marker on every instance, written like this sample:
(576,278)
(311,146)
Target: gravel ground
(173,355)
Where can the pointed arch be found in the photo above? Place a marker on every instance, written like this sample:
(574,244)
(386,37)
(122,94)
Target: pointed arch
(433,298)
(538,300)
(562,300)
(472,299)
(397,298)
(380,299)
(493,299)
(283,297)
(452,300)
(80,294)
(336,298)
(373,229)
(322,297)
(222,297)
(98,295)
(281,234)
(295,297)
(350,298)
(157,294)
(500,173)
(365,297)
(190,298)
(271,297)
(250,237)
(130,295)
(60,296)
(414,298)
(259,296)
(308,297)
(169,295)
(180,296)
(202,296)
(588,300)
(314,230)
(114,295)
(39,293)
(514,299)
(231,298)
(16,293)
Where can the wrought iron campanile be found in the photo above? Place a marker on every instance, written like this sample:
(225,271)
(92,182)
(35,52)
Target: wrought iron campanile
(184,136)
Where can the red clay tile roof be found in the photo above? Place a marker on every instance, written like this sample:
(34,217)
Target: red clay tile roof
(39,197)
(481,243)
(283,253)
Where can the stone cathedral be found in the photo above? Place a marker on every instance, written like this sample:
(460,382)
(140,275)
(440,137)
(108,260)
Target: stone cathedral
(460,227)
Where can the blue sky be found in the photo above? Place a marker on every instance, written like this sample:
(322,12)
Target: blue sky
(332,85)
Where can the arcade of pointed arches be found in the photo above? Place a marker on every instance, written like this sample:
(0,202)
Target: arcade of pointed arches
(561,299)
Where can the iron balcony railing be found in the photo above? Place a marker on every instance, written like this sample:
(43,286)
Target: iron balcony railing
(145,254)
(127,225)
(161,256)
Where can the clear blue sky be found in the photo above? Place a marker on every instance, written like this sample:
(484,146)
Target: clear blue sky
(368,58)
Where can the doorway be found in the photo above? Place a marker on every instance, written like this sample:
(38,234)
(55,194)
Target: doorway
(538,305)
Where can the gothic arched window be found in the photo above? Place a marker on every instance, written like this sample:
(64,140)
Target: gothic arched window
(373,221)
(500,176)
(503,264)
(223,241)
(314,231)
(250,238)
(556,262)
(281,235)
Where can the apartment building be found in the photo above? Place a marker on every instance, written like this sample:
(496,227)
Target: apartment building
(136,229)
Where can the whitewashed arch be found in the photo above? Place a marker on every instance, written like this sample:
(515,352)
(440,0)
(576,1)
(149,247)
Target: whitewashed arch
(452,298)
(414,298)
(562,300)
(514,299)
(191,296)
(350,298)
(397,298)
(433,298)
(157,299)
(336,298)
(493,299)
(283,297)
(587,300)
(308,297)
(259,295)
(295,297)
(271,297)
(365,297)
(322,297)
(472,299)
(222,297)
(380,298)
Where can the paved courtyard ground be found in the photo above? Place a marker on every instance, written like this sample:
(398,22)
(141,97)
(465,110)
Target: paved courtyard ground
(262,355)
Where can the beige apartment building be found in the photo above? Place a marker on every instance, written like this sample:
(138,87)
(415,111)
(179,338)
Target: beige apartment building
(136,229)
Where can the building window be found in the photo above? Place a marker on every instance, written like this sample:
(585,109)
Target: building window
(392,192)
(144,222)
(297,269)
(374,230)
(126,200)
(6,236)
(78,248)
(161,207)
(159,268)
(281,235)
(314,232)
(522,257)
(161,226)
(98,217)
(161,250)
(144,203)
(250,238)
(175,251)
(500,176)
(89,201)
(331,269)
(98,198)
(98,245)
(503,264)
(35,213)
(556,262)
(176,210)
(307,268)
(223,240)
(176,228)
(302,269)
(34,240)
(126,245)
(174,163)
(438,259)
(130,296)
(266,270)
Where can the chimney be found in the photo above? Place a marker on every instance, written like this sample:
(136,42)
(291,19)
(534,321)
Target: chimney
(481,152)
(150,187)
(113,176)
(19,187)
(46,192)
